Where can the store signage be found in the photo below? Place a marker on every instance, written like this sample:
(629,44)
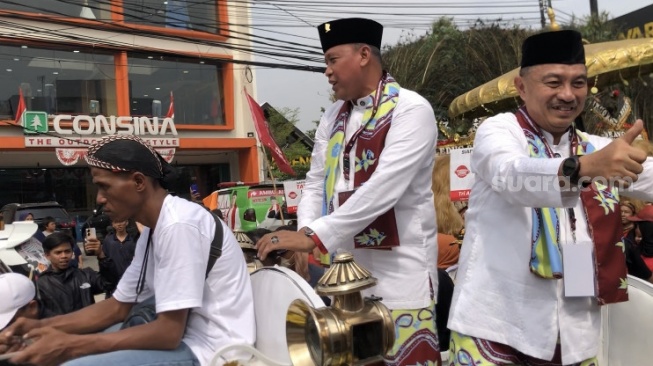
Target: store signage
(636,24)
(35,122)
(87,125)
(82,131)
(69,157)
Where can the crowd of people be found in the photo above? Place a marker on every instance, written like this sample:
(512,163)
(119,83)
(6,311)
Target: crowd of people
(533,263)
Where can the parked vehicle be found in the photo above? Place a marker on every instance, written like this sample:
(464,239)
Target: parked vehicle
(246,206)
(65,222)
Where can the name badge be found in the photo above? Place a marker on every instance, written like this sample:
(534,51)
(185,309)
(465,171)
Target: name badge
(578,267)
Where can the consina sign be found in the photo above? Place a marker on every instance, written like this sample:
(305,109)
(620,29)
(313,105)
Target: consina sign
(81,131)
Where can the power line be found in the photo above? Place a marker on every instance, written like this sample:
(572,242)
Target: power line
(290,14)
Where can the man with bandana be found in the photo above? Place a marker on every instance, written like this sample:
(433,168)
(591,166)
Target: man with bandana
(369,187)
(543,248)
(197,312)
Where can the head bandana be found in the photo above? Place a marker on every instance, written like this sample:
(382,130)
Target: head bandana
(127,153)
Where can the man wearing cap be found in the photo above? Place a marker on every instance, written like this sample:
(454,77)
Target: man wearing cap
(369,187)
(18,300)
(197,311)
(543,250)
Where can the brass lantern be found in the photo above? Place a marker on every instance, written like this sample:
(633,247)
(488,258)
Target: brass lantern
(353,331)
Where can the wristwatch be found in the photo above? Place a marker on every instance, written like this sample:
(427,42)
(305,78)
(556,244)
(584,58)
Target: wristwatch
(571,169)
(318,243)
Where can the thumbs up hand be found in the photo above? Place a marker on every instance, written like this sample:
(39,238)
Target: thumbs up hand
(617,162)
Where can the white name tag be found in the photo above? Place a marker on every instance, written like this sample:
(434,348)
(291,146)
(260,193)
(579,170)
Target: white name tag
(578,267)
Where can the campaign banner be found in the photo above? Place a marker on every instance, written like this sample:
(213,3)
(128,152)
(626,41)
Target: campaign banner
(462,177)
(293,191)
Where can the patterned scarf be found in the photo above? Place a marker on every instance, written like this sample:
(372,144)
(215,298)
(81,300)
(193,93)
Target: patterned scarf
(601,206)
(386,104)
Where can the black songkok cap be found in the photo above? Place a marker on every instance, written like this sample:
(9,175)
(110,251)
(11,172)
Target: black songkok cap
(559,47)
(129,153)
(350,30)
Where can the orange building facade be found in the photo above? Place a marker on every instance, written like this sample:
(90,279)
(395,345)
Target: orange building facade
(173,72)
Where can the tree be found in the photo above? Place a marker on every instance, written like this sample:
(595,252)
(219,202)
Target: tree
(311,133)
(282,123)
(448,62)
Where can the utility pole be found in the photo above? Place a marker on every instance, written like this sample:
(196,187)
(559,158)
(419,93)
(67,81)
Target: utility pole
(542,18)
(594,8)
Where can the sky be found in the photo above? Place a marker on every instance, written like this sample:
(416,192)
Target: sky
(296,21)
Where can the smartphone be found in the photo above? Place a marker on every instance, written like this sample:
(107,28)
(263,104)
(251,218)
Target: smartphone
(90,234)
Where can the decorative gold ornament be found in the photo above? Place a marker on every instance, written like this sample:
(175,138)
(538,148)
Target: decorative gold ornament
(607,59)
(327,27)
(604,122)
(552,19)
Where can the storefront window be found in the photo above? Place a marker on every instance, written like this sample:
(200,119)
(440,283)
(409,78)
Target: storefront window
(196,87)
(207,178)
(56,81)
(89,9)
(176,14)
(66,186)
(74,190)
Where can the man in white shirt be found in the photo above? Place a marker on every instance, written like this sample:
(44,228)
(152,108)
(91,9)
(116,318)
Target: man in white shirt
(374,149)
(541,218)
(196,313)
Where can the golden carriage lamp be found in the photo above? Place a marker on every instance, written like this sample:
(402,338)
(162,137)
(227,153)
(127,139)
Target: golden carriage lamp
(353,331)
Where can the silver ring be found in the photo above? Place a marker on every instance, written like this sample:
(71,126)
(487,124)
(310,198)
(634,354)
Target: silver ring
(274,240)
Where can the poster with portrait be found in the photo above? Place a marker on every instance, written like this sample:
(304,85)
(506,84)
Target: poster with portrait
(32,252)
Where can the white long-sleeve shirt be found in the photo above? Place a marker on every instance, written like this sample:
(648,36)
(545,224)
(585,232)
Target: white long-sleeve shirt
(496,296)
(401,180)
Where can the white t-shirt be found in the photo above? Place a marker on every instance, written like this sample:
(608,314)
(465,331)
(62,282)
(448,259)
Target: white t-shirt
(222,305)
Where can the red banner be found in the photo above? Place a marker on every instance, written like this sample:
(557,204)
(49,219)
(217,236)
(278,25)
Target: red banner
(263,132)
(21,107)
(171,108)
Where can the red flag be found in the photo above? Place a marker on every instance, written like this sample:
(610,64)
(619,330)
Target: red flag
(171,109)
(263,132)
(21,107)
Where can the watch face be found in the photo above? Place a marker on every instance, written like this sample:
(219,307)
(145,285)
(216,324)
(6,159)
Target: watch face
(308,232)
(569,167)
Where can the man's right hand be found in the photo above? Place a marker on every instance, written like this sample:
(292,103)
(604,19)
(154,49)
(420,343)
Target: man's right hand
(11,337)
(617,162)
(94,246)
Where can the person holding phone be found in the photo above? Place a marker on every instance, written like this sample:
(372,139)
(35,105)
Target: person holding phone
(64,289)
(195,191)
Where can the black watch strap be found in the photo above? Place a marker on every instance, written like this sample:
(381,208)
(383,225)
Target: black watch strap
(574,177)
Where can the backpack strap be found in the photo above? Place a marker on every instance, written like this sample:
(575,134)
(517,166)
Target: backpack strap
(216,244)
